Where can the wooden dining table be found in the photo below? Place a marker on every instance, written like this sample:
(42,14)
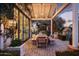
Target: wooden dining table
(40,40)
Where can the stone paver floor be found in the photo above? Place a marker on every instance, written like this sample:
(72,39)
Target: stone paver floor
(58,45)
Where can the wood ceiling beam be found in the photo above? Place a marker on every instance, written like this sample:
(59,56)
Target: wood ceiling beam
(60,10)
(41,19)
(23,12)
(49,11)
(35,10)
(33,15)
(52,9)
(32,12)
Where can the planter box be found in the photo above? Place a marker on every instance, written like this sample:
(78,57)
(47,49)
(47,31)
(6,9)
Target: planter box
(21,49)
(9,53)
(68,53)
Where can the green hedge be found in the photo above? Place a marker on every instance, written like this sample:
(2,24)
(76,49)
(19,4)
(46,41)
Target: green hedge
(16,42)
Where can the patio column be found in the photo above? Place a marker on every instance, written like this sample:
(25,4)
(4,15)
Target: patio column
(29,28)
(23,28)
(1,37)
(51,27)
(18,25)
(75,25)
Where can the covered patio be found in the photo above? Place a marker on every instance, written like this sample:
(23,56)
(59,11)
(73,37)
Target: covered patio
(26,16)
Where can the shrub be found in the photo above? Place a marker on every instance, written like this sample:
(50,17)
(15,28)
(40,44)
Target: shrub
(16,42)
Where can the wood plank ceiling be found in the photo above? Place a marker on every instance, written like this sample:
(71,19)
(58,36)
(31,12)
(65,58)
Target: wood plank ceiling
(42,10)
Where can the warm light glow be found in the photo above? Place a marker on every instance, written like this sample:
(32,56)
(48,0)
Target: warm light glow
(43,10)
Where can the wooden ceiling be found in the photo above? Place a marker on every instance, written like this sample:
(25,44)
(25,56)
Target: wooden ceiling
(39,11)
(43,10)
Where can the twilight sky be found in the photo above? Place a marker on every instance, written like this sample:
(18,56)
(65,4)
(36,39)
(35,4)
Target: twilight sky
(66,15)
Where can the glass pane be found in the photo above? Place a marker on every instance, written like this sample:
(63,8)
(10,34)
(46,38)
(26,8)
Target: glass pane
(24,25)
(16,18)
(21,25)
(26,28)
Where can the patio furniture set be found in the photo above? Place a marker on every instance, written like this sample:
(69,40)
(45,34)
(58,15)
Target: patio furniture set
(42,40)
